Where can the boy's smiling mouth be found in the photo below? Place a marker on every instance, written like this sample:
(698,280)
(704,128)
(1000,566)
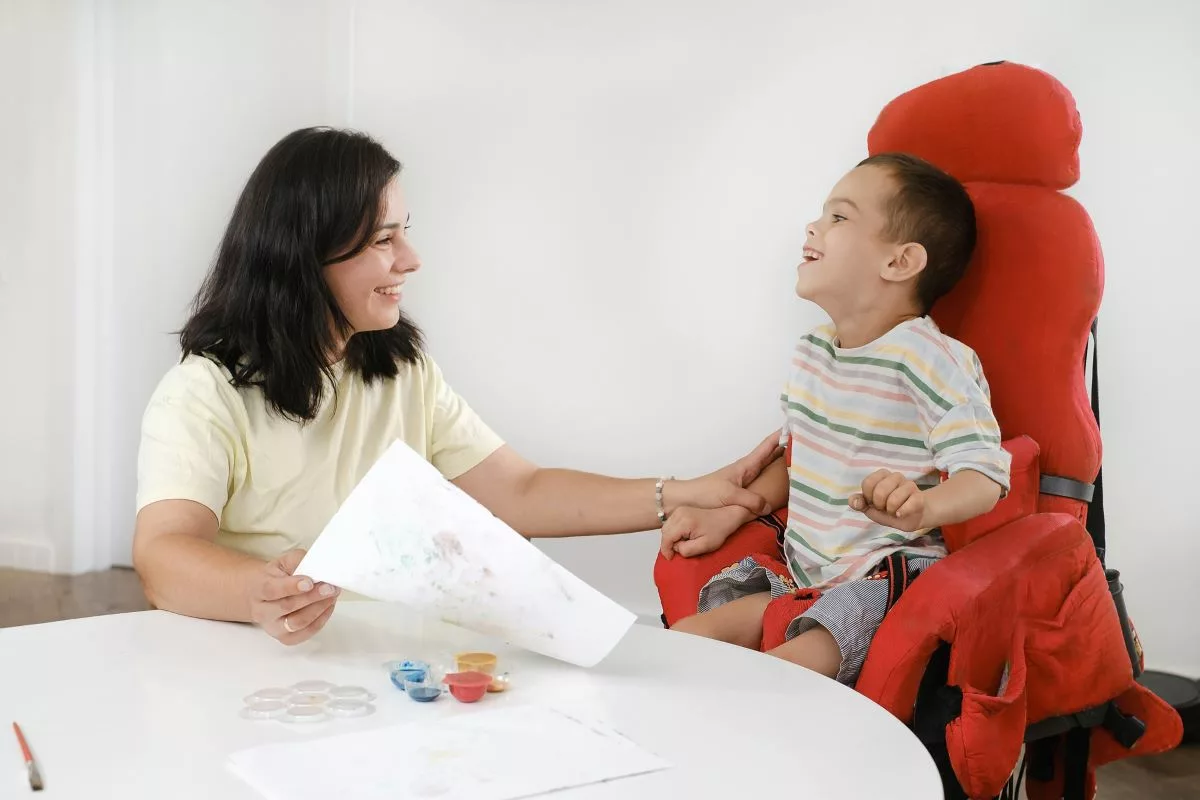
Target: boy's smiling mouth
(811,255)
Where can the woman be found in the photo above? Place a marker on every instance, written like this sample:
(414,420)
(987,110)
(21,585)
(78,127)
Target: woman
(299,369)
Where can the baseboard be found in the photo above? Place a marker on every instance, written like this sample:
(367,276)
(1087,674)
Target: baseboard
(26,554)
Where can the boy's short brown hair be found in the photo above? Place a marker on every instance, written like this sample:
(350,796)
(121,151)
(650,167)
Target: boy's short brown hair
(933,209)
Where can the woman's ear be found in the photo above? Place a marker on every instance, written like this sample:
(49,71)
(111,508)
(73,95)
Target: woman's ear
(907,263)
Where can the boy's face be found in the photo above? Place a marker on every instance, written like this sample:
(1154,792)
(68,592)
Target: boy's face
(845,253)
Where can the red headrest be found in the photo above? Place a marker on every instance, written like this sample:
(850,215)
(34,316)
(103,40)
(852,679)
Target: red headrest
(1010,134)
(1000,123)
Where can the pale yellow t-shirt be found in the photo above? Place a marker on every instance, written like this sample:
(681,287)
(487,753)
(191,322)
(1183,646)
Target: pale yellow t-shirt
(274,483)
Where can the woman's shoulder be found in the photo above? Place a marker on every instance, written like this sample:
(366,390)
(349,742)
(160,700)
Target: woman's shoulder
(196,380)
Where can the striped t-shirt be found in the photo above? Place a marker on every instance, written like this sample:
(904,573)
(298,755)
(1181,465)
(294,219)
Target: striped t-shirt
(914,401)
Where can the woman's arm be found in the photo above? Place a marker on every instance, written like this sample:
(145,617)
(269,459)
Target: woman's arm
(185,571)
(539,502)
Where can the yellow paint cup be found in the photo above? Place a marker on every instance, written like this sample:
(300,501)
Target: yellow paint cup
(476,662)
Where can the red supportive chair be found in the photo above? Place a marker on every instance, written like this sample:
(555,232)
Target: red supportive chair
(1019,637)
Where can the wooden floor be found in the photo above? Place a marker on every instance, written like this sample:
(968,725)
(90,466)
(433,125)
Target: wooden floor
(31,597)
(27,598)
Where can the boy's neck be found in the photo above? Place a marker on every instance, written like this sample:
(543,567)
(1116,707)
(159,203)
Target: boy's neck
(858,330)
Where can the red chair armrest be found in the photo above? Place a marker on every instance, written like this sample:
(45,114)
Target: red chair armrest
(1021,500)
(680,579)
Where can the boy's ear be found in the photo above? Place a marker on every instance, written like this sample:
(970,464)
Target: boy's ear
(907,263)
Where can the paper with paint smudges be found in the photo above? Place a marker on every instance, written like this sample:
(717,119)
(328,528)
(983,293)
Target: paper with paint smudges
(490,754)
(406,534)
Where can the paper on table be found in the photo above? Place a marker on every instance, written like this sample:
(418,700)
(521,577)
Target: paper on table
(501,754)
(406,534)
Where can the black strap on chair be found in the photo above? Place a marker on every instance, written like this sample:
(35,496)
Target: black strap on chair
(897,570)
(1095,518)
(1067,487)
(772,522)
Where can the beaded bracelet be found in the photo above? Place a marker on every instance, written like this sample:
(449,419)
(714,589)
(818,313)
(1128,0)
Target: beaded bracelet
(658,498)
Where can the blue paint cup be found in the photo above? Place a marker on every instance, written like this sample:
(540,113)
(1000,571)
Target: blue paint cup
(404,676)
(421,691)
(404,671)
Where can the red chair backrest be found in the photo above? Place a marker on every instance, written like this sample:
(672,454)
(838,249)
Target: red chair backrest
(1011,134)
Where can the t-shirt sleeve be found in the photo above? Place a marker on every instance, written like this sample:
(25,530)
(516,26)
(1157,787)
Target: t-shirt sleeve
(963,433)
(967,437)
(459,438)
(188,441)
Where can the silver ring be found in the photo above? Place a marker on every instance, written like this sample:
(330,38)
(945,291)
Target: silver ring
(287,626)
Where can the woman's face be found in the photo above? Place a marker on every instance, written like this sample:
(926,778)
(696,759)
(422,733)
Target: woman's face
(367,286)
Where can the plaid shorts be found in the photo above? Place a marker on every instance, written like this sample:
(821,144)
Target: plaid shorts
(850,611)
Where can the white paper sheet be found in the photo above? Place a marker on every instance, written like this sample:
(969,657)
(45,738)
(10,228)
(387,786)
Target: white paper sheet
(406,534)
(501,754)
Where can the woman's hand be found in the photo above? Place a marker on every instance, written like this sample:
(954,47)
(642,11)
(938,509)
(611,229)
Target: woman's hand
(289,607)
(727,486)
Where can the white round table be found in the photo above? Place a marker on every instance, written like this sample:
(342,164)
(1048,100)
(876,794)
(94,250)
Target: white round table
(146,705)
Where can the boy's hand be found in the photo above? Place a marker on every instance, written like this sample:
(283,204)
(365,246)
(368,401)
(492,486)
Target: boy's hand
(890,499)
(694,531)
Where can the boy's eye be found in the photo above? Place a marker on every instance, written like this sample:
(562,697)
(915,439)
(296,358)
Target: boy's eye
(838,218)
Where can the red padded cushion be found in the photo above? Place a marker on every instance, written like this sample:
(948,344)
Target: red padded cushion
(1001,123)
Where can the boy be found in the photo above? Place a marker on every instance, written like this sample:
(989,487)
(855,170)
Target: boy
(879,403)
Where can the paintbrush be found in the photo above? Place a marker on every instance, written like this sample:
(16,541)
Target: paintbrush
(35,778)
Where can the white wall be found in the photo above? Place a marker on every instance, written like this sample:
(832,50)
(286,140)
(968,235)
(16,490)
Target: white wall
(41,102)
(609,201)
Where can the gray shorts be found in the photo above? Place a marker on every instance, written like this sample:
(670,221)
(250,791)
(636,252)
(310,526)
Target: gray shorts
(852,612)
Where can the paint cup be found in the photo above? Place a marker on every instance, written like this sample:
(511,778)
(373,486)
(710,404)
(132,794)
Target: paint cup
(476,662)
(422,691)
(499,683)
(416,671)
(468,687)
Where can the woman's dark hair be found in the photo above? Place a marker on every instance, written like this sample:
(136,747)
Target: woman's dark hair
(265,311)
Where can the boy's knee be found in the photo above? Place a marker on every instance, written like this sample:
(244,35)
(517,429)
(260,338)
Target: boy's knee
(816,649)
(696,624)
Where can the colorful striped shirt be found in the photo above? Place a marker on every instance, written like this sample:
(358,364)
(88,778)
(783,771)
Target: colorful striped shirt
(914,401)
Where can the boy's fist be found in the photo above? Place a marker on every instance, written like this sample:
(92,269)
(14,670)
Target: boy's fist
(892,500)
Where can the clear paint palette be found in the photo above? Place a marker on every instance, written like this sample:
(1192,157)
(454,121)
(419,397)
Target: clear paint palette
(307,702)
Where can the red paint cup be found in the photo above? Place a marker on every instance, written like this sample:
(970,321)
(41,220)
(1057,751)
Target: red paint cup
(468,687)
